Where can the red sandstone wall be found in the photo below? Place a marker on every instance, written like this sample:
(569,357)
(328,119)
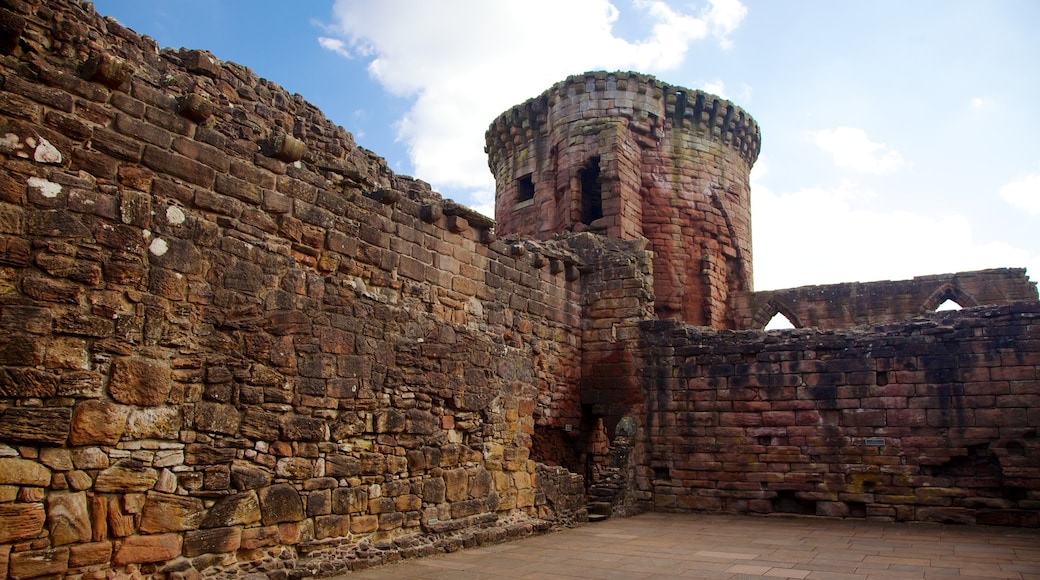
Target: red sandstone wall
(930,420)
(675,170)
(857,303)
(232,341)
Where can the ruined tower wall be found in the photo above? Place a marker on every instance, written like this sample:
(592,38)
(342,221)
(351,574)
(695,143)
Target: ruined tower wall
(231,340)
(667,163)
(856,303)
(933,419)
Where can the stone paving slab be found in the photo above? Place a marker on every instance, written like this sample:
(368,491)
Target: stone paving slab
(658,546)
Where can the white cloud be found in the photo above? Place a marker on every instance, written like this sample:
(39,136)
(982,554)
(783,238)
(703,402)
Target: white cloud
(1024,193)
(852,149)
(716,87)
(725,16)
(335,45)
(467,61)
(977,102)
(825,236)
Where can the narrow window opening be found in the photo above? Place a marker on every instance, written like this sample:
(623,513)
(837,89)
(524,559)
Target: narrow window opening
(779,322)
(524,189)
(591,192)
(948,304)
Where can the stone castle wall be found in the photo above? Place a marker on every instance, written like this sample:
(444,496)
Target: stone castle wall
(230,338)
(933,419)
(668,164)
(857,303)
(231,341)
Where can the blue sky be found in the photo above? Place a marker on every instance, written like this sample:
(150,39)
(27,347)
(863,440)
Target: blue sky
(899,138)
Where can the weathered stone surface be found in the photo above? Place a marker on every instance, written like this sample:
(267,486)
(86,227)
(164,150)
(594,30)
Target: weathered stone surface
(38,563)
(245,476)
(170,513)
(27,382)
(163,422)
(297,428)
(67,518)
(56,458)
(39,425)
(331,526)
(78,480)
(217,418)
(126,476)
(121,522)
(89,458)
(246,332)
(82,384)
(20,521)
(258,424)
(212,541)
(98,423)
(280,503)
(91,554)
(15,471)
(233,510)
(142,549)
(295,468)
(337,465)
(140,381)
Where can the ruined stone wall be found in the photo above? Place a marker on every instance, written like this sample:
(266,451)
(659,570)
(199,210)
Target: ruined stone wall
(231,340)
(933,419)
(857,303)
(667,164)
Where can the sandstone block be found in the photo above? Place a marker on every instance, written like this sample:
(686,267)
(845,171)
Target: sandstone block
(140,381)
(212,541)
(233,510)
(295,468)
(79,480)
(302,428)
(67,518)
(434,490)
(97,422)
(342,466)
(349,500)
(126,476)
(20,521)
(90,554)
(27,382)
(217,418)
(16,471)
(38,563)
(456,484)
(245,476)
(36,425)
(280,503)
(461,509)
(260,425)
(319,503)
(143,549)
(89,458)
(391,521)
(331,526)
(254,538)
(170,513)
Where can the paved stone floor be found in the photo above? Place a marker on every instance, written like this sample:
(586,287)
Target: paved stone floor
(661,546)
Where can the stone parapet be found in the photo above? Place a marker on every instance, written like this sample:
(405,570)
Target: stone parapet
(933,419)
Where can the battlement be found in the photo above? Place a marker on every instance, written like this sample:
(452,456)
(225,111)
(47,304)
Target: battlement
(628,156)
(641,99)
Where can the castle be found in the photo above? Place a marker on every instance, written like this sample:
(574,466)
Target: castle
(232,342)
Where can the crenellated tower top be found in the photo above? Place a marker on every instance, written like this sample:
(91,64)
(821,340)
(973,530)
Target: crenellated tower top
(629,156)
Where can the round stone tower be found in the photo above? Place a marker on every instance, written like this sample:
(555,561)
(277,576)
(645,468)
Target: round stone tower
(628,156)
